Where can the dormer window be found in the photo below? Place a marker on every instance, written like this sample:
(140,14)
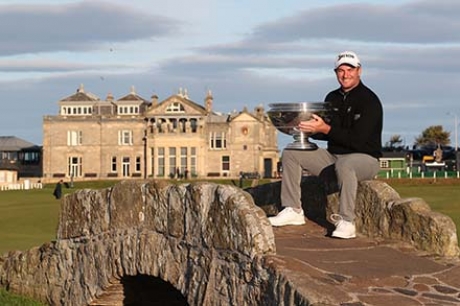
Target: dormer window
(76,110)
(128,110)
(175,107)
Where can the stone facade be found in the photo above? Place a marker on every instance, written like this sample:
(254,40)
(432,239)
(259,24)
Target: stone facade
(131,137)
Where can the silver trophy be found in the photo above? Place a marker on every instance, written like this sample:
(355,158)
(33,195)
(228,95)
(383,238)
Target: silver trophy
(287,116)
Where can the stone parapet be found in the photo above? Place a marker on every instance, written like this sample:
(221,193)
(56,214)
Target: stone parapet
(380,212)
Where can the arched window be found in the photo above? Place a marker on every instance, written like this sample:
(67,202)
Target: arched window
(175,107)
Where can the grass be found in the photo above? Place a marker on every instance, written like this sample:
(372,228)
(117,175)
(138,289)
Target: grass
(443,195)
(29,218)
(10,299)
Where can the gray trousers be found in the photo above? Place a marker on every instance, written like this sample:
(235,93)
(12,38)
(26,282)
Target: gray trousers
(349,168)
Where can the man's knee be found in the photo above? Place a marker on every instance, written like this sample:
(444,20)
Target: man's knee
(289,156)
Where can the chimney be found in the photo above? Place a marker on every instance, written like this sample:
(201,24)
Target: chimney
(208,101)
(109,97)
(154,100)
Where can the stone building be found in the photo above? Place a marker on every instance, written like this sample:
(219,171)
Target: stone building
(132,137)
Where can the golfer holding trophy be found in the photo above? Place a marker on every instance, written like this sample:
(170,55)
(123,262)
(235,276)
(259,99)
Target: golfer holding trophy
(350,121)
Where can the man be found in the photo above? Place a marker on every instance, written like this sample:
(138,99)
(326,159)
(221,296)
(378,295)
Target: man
(58,190)
(353,136)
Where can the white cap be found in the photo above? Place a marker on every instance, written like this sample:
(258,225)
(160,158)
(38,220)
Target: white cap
(347,58)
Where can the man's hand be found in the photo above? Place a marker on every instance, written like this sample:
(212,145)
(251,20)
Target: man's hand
(314,125)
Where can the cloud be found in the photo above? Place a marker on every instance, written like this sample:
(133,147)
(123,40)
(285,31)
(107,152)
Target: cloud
(416,22)
(80,26)
(409,53)
(49,65)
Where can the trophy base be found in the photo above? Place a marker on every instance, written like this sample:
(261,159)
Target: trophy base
(308,146)
(301,142)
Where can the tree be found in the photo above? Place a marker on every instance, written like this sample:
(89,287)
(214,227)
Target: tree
(394,140)
(432,136)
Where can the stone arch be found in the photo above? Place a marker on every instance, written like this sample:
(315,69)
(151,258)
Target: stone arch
(141,290)
(204,239)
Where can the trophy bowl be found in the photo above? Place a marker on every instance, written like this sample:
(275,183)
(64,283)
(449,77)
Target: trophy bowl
(287,116)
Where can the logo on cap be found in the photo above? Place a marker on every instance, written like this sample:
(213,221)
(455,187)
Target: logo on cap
(347,58)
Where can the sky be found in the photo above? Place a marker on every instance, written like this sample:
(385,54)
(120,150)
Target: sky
(246,52)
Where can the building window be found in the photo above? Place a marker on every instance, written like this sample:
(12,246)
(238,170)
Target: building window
(114,164)
(152,160)
(217,140)
(126,166)
(138,164)
(76,110)
(161,162)
(7,155)
(172,161)
(74,166)
(175,107)
(193,160)
(125,137)
(74,138)
(126,110)
(183,159)
(193,125)
(225,163)
(384,164)
(30,158)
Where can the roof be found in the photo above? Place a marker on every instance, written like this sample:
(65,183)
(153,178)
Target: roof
(394,154)
(132,96)
(178,98)
(216,118)
(80,96)
(12,143)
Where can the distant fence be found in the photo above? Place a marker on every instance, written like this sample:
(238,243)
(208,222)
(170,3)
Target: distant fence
(25,185)
(418,174)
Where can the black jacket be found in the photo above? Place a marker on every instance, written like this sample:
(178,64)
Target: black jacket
(356,120)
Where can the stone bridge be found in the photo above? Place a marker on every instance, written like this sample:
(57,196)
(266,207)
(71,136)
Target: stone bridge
(208,244)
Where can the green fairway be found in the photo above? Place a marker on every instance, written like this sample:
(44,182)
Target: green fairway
(29,218)
(443,195)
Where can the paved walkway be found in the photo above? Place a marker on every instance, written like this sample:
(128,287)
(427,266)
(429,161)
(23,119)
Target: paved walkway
(363,271)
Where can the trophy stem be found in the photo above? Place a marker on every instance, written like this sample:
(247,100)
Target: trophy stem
(301,142)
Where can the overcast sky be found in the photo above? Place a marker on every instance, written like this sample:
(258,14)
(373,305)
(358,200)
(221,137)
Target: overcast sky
(247,53)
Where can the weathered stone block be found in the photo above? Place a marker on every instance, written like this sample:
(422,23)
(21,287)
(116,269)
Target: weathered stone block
(380,212)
